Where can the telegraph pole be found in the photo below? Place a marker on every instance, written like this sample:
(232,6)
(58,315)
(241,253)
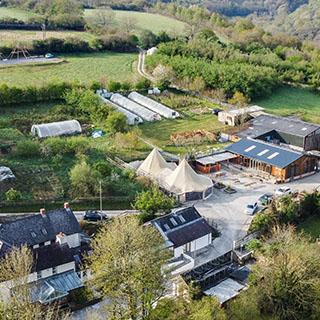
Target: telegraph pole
(100,200)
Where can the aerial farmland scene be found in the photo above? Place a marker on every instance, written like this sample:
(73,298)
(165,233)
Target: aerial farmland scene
(159,160)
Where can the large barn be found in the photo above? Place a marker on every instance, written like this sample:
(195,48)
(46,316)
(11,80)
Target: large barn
(284,164)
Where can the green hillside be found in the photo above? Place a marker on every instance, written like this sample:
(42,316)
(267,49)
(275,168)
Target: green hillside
(16,13)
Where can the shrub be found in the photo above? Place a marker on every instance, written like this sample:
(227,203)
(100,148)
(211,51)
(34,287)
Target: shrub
(145,217)
(13,195)
(253,245)
(103,168)
(81,295)
(143,84)
(28,148)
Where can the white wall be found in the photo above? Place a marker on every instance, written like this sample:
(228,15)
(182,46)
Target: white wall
(195,245)
(73,240)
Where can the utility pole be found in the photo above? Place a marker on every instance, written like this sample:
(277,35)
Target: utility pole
(100,200)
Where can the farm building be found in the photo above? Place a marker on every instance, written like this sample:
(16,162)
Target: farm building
(56,128)
(281,163)
(180,181)
(281,130)
(153,105)
(132,119)
(154,164)
(134,107)
(212,163)
(238,116)
(185,184)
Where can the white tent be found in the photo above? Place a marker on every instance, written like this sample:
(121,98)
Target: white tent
(56,128)
(186,183)
(136,108)
(154,164)
(153,105)
(132,119)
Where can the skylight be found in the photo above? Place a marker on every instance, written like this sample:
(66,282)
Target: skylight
(173,221)
(250,148)
(273,155)
(33,234)
(166,227)
(263,152)
(44,231)
(274,122)
(182,219)
(304,129)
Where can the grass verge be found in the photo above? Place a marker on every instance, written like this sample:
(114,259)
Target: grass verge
(311,227)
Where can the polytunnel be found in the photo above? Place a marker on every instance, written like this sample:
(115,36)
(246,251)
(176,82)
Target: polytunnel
(153,105)
(132,119)
(134,107)
(54,129)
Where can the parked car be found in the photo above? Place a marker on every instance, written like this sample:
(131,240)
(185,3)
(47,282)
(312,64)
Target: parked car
(49,56)
(265,199)
(92,215)
(251,207)
(283,191)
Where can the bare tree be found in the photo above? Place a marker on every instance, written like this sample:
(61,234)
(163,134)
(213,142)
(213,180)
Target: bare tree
(106,17)
(129,23)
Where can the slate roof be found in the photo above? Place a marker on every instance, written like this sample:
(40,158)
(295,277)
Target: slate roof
(264,152)
(267,122)
(55,255)
(182,226)
(39,228)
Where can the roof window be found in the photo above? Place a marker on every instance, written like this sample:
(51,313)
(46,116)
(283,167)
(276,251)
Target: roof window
(44,231)
(304,129)
(263,152)
(250,148)
(173,221)
(166,227)
(33,234)
(273,155)
(182,219)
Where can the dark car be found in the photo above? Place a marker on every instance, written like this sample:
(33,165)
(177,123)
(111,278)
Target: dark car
(265,199)
(92,215)
(216,111)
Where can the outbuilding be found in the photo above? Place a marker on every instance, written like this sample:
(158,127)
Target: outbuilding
(55,129)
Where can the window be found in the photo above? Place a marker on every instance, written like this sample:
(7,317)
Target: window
(39,276)
(263,152)
(44,231)
(173,221)
(250,148)
(54,270)
(182,219)
(166,227)
(273,155)
(187,247)
(33,235)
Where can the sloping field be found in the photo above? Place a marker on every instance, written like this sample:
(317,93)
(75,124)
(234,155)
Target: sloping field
(16,13)
(285,101)
(144,21)
(83,67)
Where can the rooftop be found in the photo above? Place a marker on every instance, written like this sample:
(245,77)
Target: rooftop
(264,152)
(217,157)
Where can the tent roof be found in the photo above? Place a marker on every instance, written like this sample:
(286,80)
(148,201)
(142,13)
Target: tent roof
(154,164)
(184,179)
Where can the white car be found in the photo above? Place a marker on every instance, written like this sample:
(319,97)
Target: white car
(283,191)
(251,207)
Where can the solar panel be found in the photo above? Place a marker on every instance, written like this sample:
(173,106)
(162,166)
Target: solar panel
(273,155)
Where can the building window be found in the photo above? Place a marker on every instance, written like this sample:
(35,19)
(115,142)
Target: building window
(54,270)
(39,275)
(187,247)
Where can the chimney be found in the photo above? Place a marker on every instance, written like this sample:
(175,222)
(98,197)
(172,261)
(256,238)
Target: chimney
(66,205)
(43,211)
(61,238)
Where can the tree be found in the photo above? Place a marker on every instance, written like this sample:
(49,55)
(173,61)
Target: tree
(106,17)
(127,267)
(148,39)
(15,268)
(13,195)
(116,122)
(239,99)
(129,23)
(84,179)
(152,201)
(287,276)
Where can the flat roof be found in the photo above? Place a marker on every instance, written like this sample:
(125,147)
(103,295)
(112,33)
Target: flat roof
(264,152)
(225,290)
(218,157)
(267,122)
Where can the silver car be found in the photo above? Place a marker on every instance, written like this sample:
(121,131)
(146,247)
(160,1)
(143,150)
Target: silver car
(251,207)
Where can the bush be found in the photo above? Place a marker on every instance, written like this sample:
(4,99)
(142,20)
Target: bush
(103,168)
(145,217)
(253,245)
(13,195)
(143,84)
(28,148)
(81,295)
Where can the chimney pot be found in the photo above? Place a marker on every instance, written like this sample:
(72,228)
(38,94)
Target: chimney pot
(43,211)
(66,205)
(61,234)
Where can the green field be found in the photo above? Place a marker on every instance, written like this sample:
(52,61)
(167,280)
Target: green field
(84,67)
(293,101)
(311,227)
(144,21)
(12,37)
(16,13)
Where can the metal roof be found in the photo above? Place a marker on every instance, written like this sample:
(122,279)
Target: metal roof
(218,157)
(264,152)
(267,122)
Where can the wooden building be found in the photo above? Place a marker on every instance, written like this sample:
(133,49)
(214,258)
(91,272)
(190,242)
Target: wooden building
(281,163)
(212,163)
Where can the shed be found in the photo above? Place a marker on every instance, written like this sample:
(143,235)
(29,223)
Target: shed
(153,105)
(237,116)
(135,108)
(212,163)
(54,129)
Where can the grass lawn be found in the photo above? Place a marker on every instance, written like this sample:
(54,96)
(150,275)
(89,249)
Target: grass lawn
(311,227)
(145,21)
(84,67)
(293,101)
(12,37)
(16,13)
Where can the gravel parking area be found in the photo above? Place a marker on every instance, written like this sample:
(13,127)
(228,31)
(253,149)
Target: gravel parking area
(23,61)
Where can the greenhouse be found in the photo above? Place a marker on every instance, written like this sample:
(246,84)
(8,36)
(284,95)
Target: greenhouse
(134,107)
(54,129)
(153,105)
(132,119)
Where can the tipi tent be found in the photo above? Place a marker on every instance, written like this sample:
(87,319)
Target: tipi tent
(186,183)
(154,164)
